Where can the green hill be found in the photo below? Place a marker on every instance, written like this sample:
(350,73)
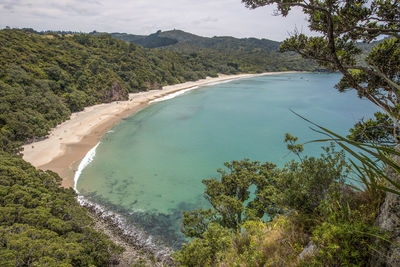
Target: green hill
(219,42)
(46,76)
(41,224)
(177,39)
(150,41)
(243,55)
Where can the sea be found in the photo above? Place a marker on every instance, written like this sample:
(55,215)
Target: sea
(149,168)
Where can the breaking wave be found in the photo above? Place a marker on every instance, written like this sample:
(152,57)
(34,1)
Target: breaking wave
(173,95)
(84,163)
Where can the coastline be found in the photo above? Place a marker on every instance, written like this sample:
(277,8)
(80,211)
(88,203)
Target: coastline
(69,142)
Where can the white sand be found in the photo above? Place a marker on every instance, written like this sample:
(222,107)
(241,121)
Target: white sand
(84,123)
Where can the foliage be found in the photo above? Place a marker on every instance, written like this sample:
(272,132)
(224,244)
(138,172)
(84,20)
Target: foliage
(207,250)
(374,162)
(345,236)
(275,243)
(230,197)
(301,186)
(306,200)
(196,222)
(250,191)
(41,224)
(377,131)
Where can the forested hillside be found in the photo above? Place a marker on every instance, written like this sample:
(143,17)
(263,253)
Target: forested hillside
(44,77)
(249,50)
(148,41)
(41,224)
(177,38)
(244,55)
(220,42)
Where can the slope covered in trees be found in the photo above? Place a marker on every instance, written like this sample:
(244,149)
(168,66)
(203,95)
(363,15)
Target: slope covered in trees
(41,224)
(176,39)
(217,42)
(220,42)
(244,55)
(45,77)
(148,41)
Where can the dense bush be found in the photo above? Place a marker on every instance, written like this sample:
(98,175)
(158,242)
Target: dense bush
(41,224)
(268,215)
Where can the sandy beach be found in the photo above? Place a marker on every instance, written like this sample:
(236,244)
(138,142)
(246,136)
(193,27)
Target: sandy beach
(69,142)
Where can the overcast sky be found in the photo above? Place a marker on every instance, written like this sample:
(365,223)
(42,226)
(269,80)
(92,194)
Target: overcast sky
(202,17)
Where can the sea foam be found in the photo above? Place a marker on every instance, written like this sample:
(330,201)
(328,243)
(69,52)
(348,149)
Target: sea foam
(128,231)
(181,92)
(173,95)
(84,163)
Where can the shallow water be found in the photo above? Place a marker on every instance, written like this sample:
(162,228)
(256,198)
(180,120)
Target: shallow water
(150,166)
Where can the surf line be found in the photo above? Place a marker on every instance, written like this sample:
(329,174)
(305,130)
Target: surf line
(83,164)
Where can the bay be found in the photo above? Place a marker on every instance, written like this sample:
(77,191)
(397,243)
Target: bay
(150,166)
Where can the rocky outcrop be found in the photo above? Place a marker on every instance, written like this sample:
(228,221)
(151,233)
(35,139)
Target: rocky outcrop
(140,250)
(389,220)
(153,86)
(115,93)
(308,251)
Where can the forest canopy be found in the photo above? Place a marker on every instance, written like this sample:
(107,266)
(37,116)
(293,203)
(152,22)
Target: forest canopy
(42,224)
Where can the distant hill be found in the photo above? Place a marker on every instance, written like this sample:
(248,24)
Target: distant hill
(180,39)
(182,36)
(148,41)
(219,42)
(246,48)
(241,54)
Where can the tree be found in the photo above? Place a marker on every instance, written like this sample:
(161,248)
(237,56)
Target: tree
(376,131)
(230,197)
(249,190)
(340,24)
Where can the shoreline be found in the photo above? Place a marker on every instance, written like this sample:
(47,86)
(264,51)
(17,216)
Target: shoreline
(69,142)
(139,247)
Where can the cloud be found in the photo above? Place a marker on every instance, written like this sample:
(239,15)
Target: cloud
(206,17)
(9,4)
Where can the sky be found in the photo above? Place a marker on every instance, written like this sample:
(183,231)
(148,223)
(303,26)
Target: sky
(202,17)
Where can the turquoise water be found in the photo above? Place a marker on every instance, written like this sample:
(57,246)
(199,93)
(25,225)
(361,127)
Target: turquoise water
(150,166)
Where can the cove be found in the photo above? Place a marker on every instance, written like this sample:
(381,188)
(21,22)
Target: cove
(149,167)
